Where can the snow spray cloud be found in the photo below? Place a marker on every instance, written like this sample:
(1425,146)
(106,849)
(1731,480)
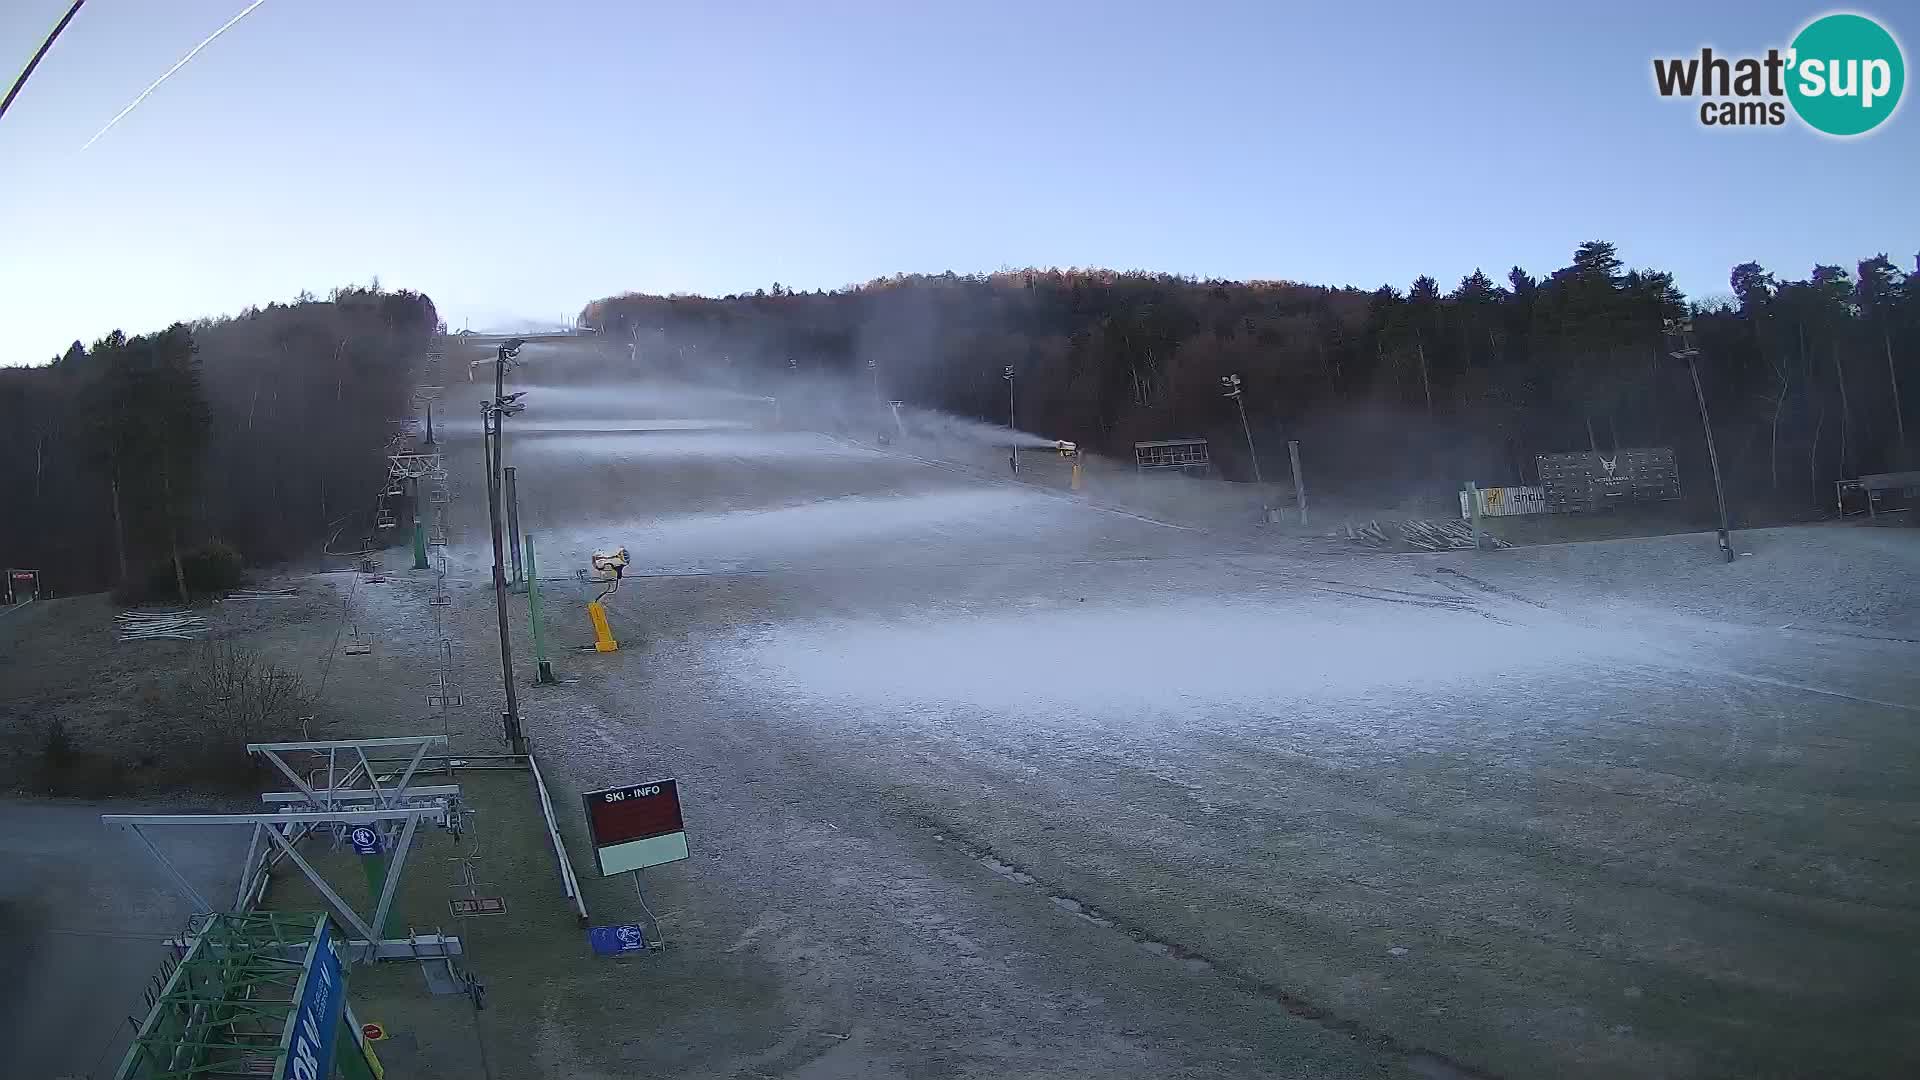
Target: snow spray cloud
(945,427)
(635,400)
(785,386)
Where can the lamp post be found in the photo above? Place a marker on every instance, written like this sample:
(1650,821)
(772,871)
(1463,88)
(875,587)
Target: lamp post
(1013,437)
(491,415)
(1678,336)
(1231,384)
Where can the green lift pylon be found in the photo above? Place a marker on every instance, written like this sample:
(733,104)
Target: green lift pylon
(231,1004)
(542,665)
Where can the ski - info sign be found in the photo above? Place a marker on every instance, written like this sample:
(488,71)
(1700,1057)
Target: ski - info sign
(636,826)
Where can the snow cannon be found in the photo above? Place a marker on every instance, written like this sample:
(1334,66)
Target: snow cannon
(1071,451)
(606,562)
(611,562)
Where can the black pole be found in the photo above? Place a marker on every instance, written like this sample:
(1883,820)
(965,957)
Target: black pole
(499,409)
(1251,452)
(510,495)
(1013,432)
(1713,458)
(509,720)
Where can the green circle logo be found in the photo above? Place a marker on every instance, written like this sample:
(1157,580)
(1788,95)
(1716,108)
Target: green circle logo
(1846,74)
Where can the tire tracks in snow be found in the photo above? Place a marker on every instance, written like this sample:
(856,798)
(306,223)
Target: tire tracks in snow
(1430,1064)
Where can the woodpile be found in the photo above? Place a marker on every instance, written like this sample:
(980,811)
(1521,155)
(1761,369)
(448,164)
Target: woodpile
(178,625)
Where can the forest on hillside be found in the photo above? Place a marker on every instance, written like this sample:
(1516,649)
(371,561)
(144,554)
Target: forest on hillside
(259,432)
(1393,391)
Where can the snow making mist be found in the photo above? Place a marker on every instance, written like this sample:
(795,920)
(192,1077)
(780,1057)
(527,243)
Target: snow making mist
(865,530)
(714,441)
(1151,664)
(855,405)
(939,426)
(600,425)
(632,406)
(633,400)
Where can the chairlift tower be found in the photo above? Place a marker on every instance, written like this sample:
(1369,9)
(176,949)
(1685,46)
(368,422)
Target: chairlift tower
(255,994)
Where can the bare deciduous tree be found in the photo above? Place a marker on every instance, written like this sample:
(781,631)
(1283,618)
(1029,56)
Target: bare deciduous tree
(232,696)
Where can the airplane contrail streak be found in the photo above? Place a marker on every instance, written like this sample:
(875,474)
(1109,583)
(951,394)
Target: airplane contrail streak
(144,94)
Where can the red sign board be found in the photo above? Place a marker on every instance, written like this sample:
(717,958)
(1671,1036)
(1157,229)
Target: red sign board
(636,826)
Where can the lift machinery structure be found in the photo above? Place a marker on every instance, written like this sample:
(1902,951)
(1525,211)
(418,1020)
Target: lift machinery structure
(255,994)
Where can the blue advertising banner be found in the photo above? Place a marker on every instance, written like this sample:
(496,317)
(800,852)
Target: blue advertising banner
(310,1050)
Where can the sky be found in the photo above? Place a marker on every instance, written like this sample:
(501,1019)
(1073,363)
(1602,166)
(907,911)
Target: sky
(517,160)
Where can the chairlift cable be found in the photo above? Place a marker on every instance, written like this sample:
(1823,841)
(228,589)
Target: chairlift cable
(35,62)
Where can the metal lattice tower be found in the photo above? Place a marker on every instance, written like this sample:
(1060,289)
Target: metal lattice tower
(224,1008)
(431,469)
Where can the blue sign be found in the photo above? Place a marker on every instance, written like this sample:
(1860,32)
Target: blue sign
(365,840)
(310,1051)
(614,940)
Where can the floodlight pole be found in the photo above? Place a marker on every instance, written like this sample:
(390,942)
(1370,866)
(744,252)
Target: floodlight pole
(1680,347)
(495,412)
(499,405)
(1299,483)
(1232,385)
(1013,432)
(1713,457)
(510,493)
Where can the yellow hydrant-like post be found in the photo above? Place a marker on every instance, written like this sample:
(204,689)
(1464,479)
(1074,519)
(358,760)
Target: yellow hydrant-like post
(602,633)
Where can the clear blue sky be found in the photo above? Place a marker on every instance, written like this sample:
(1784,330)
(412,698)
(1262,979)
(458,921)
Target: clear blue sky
(515,160)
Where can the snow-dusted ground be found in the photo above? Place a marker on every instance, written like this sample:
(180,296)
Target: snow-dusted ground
(993,781)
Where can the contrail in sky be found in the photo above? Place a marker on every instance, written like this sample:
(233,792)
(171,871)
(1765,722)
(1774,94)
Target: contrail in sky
(248,10)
